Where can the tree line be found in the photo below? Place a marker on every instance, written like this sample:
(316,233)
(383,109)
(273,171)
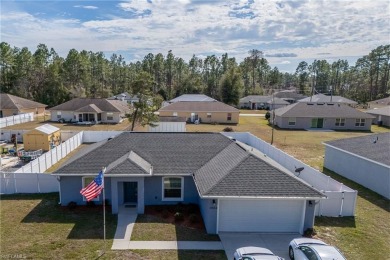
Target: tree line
(46,77)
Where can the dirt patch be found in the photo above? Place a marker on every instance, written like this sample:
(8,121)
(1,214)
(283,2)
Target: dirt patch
(186,215)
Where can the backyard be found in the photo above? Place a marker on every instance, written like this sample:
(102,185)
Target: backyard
(44,230)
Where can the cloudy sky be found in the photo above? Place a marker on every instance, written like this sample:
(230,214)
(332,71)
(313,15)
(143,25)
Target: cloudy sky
(286,31)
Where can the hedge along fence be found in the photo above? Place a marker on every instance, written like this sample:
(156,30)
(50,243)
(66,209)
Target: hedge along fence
(48,159)
(341,199)
(16,119)
(11,183)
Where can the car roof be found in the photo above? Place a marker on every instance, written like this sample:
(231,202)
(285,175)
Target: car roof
(249,250)
(304,240)
(327,252)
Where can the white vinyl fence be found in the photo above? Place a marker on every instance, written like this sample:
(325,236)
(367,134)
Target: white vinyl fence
(6,135)
(16,119)
(46,160)
(11,183)
(341,199)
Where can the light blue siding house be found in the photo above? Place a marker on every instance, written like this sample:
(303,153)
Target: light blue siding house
(208,169)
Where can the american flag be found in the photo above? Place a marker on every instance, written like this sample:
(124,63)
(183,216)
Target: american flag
(94,188)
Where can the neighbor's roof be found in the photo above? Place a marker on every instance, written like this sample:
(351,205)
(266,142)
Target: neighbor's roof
(191,97)
(8,101)
(219,166)
(172,119)
(383,111)
(124,95)
(199,106)
(321,98)
(380,102)
(375,147)
(47,129)
(328,110)
(95,104)
(263,99)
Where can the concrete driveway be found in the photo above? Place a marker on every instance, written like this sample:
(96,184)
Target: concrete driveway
(276,242)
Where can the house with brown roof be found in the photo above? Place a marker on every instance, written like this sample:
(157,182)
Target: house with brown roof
(12,105)
(90,111)
(382,115)
(379,103)
(321,98)
(304,115)
(202,112)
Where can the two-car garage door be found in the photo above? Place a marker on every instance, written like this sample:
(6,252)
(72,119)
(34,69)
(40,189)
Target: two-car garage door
(260,215)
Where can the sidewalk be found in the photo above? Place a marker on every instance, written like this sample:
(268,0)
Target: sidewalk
(126,220)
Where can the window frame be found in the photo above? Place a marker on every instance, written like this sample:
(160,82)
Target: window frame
(341,122)
(208,115)
(360,122)
(229,116)
(292,121)
(174,114)
(163,198)
(59,114)
(110,116)
(83,185)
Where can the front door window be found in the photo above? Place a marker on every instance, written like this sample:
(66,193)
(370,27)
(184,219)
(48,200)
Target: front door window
(130,190)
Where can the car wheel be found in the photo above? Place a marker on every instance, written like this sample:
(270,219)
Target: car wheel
(291,253)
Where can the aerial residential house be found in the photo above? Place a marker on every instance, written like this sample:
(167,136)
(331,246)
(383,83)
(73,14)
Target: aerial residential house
(125,97)
(236,190)
(202,112)
(304,115)
(90,111)
(321,98)
(43,137)
(379,103)
(262,102)
(364,159)
(382,115)
(189,97)
(12,105)
(291,96)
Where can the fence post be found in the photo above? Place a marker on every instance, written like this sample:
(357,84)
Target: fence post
(39,188)
(16,189)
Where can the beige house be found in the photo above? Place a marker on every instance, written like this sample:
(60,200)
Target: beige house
(12,105)
(90,111)
(202,112)
(44,137)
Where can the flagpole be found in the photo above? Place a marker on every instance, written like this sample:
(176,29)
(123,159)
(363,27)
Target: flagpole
(104,212)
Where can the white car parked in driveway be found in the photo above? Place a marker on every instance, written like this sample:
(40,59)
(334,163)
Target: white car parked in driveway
(255,253)
(313,249)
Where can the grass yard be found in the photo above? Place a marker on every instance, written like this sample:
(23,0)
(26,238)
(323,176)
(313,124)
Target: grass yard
(34,226)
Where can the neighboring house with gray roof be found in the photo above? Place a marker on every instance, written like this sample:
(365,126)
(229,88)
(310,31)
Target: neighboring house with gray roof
(90,110)
(202,111)
(262,102)
(382,115)
(12,105)
(302,115)
(364,159)
(191,97)
(125,97)
(321,98)
(291,96)
(379,103)
(208,169)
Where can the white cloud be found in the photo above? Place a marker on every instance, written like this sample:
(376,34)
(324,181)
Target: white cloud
(86,6)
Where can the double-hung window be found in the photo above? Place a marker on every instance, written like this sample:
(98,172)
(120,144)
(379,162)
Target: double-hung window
(110,116)
(360,122)
(292,120)
(173,188)
(59,114)
(229,117)
(340,121)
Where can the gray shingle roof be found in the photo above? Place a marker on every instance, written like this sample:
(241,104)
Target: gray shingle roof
(220,166)
(237,173)
(366,146)
(8,101)
(91,108)
(289,95)
(384,111)
(101,103)
(263,99)
(324,99)
(303,109)
(199,106)
(191,97)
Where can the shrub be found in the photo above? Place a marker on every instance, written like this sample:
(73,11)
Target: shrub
(228,129)
(90,204)
(107,202)
(310,232)
(194,218)
(267,115)
(72,205)
(179,207)
(179,216)
(192,208)
(165,213)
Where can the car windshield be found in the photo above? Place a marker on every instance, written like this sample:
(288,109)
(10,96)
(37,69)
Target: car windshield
(308,252)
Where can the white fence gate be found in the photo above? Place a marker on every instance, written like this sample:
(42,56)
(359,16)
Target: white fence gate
(16,119)
(341,199)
